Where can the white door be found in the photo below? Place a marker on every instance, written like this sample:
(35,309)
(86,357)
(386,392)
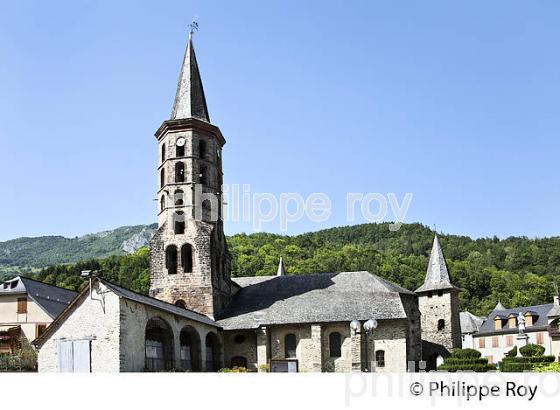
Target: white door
(74,356)
(82,359)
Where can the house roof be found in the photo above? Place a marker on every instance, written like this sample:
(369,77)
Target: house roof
(470,323)
(316,298)
(52,299)
(437,276)
(541,311)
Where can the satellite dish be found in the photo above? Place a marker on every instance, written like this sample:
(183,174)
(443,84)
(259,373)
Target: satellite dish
(181,142)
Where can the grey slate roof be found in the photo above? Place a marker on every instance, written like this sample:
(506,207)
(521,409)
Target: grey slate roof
(317,298)
(469,322)
(190,101)
(52,299)
(488,327)
(437,276)
(159,304)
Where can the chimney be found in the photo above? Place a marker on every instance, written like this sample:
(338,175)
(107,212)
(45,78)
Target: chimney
(556,300)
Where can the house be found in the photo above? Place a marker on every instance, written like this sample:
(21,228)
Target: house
(470,325)
(498,333)
(27,307)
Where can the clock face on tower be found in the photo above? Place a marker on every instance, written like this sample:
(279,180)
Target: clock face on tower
(180,142)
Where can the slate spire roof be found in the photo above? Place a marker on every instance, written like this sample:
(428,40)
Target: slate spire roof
(281,270)
(190,101)
(499,306)
(437,276)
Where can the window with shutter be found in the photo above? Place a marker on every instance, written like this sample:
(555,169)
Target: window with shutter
(22,305)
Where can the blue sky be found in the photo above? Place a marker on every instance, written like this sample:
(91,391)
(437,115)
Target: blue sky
(455,103)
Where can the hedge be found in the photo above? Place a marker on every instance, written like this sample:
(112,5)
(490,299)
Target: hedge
(521,364)
(472,367)
(466,354)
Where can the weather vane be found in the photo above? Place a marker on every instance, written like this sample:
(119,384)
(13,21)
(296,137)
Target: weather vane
(194,25)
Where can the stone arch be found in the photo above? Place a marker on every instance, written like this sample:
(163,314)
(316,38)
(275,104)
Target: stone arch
(159,347)
(189,340)
(213,352)
(179,197)
(181,303)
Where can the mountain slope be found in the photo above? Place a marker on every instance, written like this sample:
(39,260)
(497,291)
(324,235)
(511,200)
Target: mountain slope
(28,254)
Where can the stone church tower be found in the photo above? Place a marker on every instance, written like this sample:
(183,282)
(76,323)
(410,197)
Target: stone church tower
(438,301)
(189,262)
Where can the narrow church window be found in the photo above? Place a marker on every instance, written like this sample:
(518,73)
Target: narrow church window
(179,223)
(290,345)
(334,344)
(163,152)
(380,358)
(239,339)
(180,152)
(179,201)
(162,203)
(171,259)
(187,258)
(162,178)
(179,172)
(440,324)
(202,175)
(201,148)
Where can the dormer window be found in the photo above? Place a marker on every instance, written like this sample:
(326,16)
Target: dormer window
(530,318)
(512,321)
(498,322)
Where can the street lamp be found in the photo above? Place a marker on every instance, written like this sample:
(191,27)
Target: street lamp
(368,327)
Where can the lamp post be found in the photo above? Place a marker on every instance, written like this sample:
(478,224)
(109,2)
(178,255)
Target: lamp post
(368,328)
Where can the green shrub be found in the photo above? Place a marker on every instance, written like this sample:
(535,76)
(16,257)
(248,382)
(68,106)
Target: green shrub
(531,350)
(550,367)
(521,364)
(465,354)
(512,352)
(465,360)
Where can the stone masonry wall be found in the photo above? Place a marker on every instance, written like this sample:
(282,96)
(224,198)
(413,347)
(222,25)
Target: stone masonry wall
(246,349)
(134,318)
(437,307)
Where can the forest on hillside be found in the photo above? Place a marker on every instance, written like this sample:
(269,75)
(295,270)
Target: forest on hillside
(517,270)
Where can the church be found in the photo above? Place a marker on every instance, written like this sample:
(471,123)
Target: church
(198,318)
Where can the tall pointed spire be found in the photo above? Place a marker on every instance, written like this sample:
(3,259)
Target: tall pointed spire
(281,270)
(437,276)
(190,101)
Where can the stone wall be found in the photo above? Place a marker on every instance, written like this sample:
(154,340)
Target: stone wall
(134,318)
(95,319)
(438,307)
(247,348)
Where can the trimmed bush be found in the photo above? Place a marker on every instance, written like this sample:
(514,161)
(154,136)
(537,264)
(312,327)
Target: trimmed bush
(522,364)
(512,352)
(466,360)
(466,354)
(531,350)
